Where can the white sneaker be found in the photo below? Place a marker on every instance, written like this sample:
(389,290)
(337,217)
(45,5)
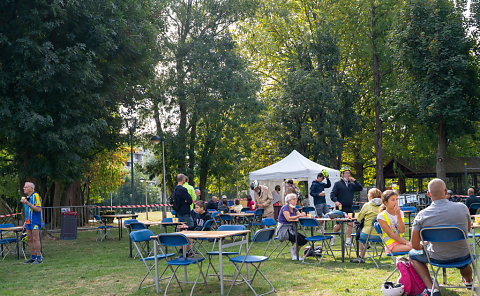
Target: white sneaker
(332,241)
(292,253)
(348,244)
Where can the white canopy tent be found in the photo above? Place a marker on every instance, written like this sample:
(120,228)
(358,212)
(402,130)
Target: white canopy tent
(294,167)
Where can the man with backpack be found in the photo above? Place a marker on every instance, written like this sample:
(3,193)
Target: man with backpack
(440,212)
(181,201)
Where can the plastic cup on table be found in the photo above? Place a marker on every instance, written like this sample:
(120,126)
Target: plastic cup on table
(350,215)
(175,220)
(309,215)
(477,220)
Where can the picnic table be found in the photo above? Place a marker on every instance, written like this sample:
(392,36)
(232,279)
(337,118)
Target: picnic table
(218,235)
(119,217)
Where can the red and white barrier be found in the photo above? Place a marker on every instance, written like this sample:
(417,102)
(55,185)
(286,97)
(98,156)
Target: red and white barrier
(9,215)
(133,206)
(460,195)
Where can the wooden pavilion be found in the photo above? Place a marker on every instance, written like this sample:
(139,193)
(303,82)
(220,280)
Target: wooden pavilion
(458,168)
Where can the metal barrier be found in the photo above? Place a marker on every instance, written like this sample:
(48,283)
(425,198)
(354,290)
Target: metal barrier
(52,216)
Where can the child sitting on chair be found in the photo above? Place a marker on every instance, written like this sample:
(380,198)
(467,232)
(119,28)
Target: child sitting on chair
(391,221)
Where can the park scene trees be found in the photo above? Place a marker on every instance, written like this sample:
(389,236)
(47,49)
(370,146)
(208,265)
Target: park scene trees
(230,87)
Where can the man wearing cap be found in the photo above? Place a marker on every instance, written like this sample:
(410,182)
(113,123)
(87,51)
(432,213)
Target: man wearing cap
(263,198)
(342,195)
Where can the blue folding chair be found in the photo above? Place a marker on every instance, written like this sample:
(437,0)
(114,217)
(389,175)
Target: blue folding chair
(446,234)
(309,209)
(102,228)
(270,222)
(474,206)
(226,218)
(135,226)
(391,254)
(370,245)
(312,223)
(177,240)
(199,241)
(261,236)
(167,220)
(139,238)
(257,218)
(6,243)
(212,253)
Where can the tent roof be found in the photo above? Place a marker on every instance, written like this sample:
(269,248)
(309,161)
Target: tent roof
(293,165)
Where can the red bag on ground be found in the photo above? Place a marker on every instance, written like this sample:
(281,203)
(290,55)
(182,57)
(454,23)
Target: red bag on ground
(409,278)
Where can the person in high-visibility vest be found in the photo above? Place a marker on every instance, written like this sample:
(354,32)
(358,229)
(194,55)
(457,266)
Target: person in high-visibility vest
(391,220)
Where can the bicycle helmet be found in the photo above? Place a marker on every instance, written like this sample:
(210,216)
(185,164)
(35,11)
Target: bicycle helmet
(343,169)
(325,173)
(391,289)
(254,184)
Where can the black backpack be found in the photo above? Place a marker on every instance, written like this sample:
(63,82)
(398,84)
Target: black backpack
(174,200)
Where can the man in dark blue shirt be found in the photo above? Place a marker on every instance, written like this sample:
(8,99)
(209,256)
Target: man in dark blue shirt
(472,199)
(183,202)
(342,195)
(317,191)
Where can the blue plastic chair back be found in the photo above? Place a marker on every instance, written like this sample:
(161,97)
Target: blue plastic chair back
(412,209)
(97,218)
(141,235)
(475,206)
(167,220)
(208,224)
(137,226)
(226,217)
(127,222)
(355,208)
(377,227)
(308,222)
(230,203)
(173,239)
(308,209)
(211,210)
(231,227)
(443,234)
(269,222)
(259,212)
(250,212)
(215,214)
(297,206)
(263,235)
(174,213)
(244,210)
(6,225)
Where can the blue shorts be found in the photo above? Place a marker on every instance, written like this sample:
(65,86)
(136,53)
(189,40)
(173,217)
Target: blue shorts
(363,237)
(32,226)
(421,257)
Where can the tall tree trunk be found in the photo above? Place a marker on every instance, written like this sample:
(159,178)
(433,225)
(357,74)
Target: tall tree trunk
(180,89)
(379,181)
(441,152)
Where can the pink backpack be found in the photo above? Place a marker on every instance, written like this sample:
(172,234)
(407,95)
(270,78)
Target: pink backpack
(413,284)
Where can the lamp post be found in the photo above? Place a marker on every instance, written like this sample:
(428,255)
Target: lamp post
(156,140)
(142,180)
(131,125)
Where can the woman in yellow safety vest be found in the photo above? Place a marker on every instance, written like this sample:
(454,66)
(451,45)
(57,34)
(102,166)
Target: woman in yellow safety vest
(390,219)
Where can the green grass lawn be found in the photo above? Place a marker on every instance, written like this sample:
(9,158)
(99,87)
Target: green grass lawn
(87,267)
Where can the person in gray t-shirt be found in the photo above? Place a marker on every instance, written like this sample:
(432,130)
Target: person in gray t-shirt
(440,212)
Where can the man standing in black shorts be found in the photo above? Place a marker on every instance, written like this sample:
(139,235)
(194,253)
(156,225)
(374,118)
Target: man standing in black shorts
(317,191)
